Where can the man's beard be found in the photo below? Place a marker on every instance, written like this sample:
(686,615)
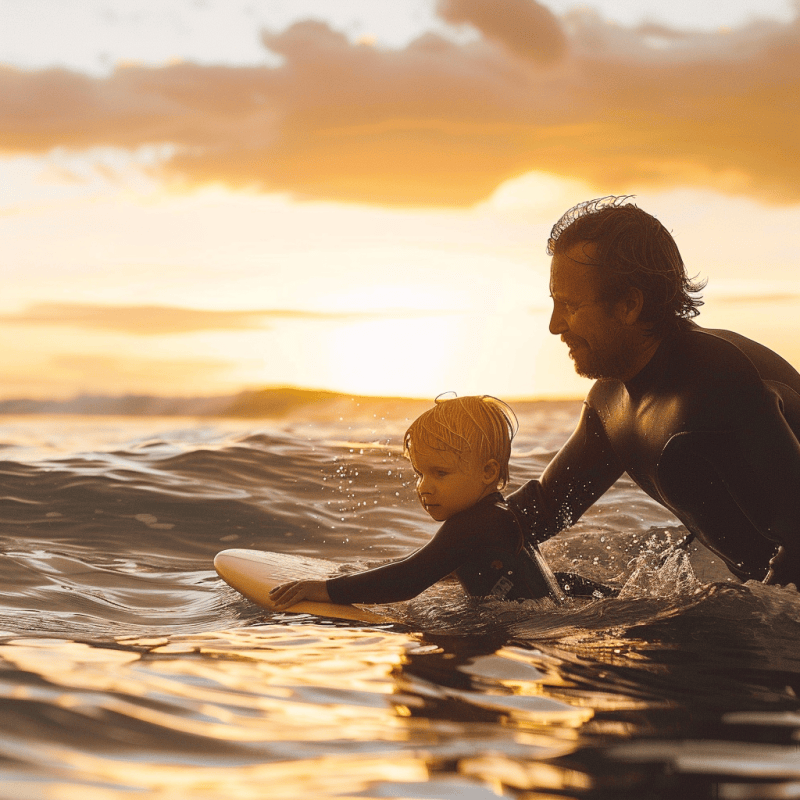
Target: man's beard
(593,364)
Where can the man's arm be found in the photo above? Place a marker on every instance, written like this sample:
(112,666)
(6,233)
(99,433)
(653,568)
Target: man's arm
(783,506)
(581,472)
(755,463)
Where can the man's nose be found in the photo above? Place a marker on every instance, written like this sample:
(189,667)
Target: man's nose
(424,486)
(558,324)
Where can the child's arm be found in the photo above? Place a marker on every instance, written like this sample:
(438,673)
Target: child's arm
(288,594)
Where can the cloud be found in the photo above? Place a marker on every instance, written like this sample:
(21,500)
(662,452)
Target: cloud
(161,320)
(440,123)
(754,299)
(523,26)
(150,320)
(101,370)
(63,374)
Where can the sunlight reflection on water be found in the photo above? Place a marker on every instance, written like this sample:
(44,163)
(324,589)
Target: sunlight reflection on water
(239,711)
(127,668)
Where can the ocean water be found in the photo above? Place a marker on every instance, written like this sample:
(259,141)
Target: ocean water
(129,669)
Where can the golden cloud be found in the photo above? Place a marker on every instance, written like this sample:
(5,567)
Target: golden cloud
(443,123)
(151,320)
(108,370)
(524,27)
(759,299)
(161,320)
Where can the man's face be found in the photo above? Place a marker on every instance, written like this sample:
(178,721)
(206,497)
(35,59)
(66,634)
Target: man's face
(598,341)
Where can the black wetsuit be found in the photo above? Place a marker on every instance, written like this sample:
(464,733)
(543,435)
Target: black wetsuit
(709,429)
(483,545)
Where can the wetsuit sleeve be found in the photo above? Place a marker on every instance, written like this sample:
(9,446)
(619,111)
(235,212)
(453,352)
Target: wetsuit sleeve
(584,469)
(754,460)
(407,577)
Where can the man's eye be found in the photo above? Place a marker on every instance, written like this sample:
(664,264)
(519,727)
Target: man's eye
(569,308)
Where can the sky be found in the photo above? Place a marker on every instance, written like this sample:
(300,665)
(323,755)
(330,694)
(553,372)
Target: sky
(204,196)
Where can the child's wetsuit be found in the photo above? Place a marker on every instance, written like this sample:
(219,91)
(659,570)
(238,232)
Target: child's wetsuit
(482,546)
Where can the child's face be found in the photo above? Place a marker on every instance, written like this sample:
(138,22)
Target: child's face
(446,484)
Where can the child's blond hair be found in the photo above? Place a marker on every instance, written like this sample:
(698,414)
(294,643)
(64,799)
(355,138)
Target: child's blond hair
(477,426)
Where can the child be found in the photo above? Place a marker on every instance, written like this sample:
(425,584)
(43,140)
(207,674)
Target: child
(459,450)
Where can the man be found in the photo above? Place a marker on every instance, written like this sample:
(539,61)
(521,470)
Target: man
(705,421)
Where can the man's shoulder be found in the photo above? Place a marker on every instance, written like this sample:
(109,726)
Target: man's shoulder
(717,351)
(699,371)
(726,355)
(692,335)
(726,378)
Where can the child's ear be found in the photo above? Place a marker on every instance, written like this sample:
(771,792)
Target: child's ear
(491,472)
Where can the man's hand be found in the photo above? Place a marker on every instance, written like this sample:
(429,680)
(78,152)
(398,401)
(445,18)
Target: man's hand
(289,594)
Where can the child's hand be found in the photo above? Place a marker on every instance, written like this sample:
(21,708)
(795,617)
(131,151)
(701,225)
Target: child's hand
(288,594)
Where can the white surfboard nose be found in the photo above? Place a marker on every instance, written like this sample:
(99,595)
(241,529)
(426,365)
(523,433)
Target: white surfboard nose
(254,572)
(225,563)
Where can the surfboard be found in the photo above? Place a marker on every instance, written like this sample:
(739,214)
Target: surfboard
(254,572)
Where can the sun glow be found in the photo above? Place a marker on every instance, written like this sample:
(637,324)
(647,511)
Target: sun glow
(230,291)
(393,357)
(403,298)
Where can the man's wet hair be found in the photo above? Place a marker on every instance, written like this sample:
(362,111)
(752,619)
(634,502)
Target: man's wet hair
(476,426)
(635,250)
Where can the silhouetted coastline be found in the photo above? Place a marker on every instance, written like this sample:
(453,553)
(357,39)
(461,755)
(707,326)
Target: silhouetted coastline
(259,403)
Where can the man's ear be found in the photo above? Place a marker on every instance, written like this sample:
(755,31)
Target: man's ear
(491,472)
(630,308)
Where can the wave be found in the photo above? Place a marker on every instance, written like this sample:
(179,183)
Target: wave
(127,661)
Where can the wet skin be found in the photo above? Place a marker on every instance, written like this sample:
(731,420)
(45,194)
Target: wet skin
(447,485)
(605,340)
(705,422)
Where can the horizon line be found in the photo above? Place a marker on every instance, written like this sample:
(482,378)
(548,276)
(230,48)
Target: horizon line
(245,402)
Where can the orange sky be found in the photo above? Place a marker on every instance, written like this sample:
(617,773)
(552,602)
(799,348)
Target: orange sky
(444,123)
(351,214)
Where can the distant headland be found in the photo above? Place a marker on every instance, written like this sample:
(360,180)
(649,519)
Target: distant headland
(255,403)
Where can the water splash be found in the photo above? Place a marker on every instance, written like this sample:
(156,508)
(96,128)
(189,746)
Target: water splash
(659,571)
